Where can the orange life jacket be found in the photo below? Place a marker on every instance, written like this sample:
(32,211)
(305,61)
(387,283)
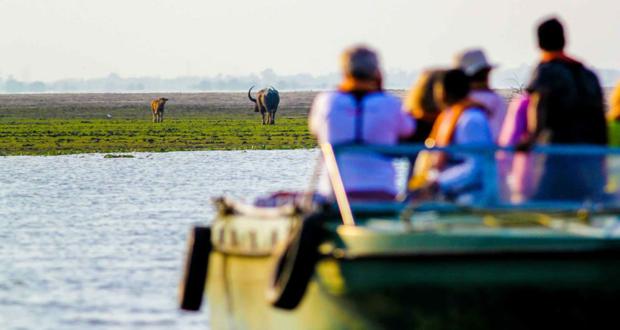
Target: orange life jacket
(559,55)
(441,136)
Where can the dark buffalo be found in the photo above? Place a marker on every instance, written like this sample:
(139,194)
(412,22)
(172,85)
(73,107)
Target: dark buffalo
(266,102)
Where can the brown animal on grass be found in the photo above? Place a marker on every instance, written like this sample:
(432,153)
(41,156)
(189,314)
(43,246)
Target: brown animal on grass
(266,102)
(157,107)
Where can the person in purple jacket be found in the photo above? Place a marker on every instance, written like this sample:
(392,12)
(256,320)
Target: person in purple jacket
(517,170)
(360,112)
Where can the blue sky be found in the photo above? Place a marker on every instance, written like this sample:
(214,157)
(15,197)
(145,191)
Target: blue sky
(48,40)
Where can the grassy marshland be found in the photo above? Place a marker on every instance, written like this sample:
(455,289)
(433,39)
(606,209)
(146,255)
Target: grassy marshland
(109,123)
(69,136)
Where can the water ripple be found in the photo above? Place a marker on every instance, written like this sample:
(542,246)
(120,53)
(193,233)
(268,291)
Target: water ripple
(95,243)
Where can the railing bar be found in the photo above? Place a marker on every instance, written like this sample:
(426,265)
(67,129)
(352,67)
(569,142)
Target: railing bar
(337,184)
(408,149)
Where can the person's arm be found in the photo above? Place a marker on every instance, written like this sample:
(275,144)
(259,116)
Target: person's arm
(548,90)
(406,124)
(536,111)
(515,123)
(533,114)
(472,130)
(537,120)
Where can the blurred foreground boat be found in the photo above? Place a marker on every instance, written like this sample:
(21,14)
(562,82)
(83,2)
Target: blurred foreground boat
(492,263)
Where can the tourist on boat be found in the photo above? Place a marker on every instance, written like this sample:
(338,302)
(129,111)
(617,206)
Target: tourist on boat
(566,107)
(516,170)
(566,97)
(463,122)
(360,112)
(613,117)
(420,103)
(475,64)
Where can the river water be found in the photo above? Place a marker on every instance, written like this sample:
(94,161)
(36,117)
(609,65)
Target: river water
(88,242)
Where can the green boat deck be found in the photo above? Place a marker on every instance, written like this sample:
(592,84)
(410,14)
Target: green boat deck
(493,264)
(429,271)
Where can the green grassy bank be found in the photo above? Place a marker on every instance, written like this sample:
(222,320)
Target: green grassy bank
(55,136)
(55,124)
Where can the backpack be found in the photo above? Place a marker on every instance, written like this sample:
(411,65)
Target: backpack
(589,110)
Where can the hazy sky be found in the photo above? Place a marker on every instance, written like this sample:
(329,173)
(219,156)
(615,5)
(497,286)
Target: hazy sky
(53,39)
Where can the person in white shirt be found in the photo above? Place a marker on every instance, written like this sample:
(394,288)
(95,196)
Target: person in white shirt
(360,112)
(476,66)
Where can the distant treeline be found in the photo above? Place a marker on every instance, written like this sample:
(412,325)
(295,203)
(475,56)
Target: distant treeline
(395,79)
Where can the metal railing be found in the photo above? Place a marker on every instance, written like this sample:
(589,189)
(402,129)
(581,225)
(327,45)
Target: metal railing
(490,199)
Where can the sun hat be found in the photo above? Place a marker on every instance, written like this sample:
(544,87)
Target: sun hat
(472,61)
(360,62)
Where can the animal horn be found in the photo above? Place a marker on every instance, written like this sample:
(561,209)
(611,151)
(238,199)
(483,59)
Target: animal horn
(250,95)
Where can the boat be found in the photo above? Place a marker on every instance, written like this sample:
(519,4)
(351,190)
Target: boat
(492,263)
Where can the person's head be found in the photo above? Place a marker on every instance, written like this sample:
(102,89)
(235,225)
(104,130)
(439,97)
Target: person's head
(420,100)
(452,87)
(551,35)
(480,78)
(360,64)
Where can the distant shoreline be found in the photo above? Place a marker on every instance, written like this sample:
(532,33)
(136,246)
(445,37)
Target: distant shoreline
(317,90)
(166,92)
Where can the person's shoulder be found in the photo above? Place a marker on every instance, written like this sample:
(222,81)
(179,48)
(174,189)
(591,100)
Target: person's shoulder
(486,94)
(327,102)
(474,116)
(547,74)
(474,119)
(498,99)
(543,70)
(554,68)
(387,96)
(571,72)
(475,113)
(386,99)
(589,73)
(329,97)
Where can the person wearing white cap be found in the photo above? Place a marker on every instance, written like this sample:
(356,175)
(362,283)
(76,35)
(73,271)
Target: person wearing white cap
(475,64)
(360,112)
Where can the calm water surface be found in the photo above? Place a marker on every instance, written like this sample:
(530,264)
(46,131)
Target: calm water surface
(94,243)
